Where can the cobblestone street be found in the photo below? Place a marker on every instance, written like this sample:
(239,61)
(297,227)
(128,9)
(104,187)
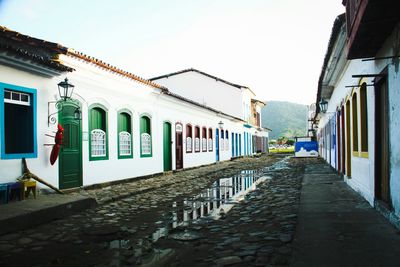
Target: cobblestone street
(237,213)
(124,231)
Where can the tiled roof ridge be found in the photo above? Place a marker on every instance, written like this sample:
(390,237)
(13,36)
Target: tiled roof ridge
(55,46)
(198,71)
(112,68)
(11,40)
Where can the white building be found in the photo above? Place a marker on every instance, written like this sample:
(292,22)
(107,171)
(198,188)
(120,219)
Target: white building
(116,125)
(360,83)
(236,100)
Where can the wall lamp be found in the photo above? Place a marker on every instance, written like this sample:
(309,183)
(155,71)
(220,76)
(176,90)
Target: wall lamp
(323,105)
(65,90)
(221,124)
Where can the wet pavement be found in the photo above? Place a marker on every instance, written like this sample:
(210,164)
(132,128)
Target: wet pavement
(237,213)
(93,237)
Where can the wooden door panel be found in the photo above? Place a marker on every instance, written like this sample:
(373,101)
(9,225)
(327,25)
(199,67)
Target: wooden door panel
(382,172)
(70,158)
(178,146)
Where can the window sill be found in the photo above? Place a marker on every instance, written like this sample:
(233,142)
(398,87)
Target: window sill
(125,157)
(98,158)
(19,156)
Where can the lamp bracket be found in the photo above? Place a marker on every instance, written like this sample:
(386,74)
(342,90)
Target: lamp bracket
(52,118)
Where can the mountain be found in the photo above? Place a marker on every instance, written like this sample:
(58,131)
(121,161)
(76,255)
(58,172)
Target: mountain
(284,119)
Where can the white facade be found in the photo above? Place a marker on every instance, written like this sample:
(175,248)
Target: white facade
(342,124)
(205,90)
(99,86)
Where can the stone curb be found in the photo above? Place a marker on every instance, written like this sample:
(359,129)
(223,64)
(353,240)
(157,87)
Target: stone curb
(26,214)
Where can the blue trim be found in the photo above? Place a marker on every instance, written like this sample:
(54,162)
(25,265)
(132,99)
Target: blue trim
(237,144)
(217,145)
(33,93)
(247,125)
(245,143)
(240,144)
(233,144)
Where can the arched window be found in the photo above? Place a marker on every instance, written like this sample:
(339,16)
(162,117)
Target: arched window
(124,135)
(204,139)
(98,133)
(226,140)
(197,139)
(210,140)
(189,142)
(354,122)
(364,120)
(145,137)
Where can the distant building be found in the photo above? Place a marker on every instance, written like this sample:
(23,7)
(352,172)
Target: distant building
(360,83)
(116,125)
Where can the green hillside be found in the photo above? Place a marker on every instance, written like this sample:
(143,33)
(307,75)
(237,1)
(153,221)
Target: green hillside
(284,119)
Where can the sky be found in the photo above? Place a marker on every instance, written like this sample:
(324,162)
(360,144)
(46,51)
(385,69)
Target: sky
(275,47)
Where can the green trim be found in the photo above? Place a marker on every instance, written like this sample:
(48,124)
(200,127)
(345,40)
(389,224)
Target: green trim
(145,129)
(167,147)
(129,130)
(91,158)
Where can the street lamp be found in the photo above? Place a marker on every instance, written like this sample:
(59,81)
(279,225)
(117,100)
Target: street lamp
(221,124)
(323,105)
(65,89)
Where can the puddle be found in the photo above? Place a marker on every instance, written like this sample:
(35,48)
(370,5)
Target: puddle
(278,166)
(212,204)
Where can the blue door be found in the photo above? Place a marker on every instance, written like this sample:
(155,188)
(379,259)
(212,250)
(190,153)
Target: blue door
(236,145)
(240,144)
(245,144)
(233,144)
(217,143)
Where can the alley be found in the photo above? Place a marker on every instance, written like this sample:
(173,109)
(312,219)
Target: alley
(237,213)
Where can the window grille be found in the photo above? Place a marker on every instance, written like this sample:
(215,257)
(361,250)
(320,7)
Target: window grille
(98,143)
(125,144)
(146,143)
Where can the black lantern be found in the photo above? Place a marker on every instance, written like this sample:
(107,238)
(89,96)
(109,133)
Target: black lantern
(221,124)
(323,105)
(65,89)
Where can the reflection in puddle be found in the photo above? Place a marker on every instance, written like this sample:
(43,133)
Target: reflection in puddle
(212,204)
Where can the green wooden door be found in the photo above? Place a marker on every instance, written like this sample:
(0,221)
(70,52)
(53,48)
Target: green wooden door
(167,147)
(70,157)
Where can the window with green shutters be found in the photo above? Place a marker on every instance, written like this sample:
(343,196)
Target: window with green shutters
(145,137)
(98,141)
(124,135)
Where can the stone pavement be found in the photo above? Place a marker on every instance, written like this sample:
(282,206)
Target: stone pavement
(88,238)
(337,227)
(47,207)
(145,225)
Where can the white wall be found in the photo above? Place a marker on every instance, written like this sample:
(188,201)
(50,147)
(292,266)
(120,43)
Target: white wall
(247,95)
(362,169)
(205,90)
(394,115)
(10,169)
(94,85)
